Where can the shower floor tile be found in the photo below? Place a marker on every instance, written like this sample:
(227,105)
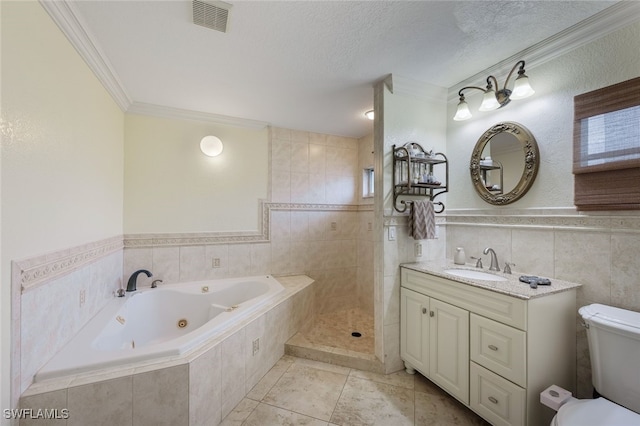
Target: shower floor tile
(336,329)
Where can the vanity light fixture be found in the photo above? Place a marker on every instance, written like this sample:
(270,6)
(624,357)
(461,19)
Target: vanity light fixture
(211,146)
(369,114)
(494,99)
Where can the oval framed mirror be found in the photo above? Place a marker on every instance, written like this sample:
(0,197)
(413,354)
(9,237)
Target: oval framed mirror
(504,163)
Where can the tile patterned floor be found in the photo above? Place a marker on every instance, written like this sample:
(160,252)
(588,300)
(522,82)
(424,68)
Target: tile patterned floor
(334,329)
(298,391)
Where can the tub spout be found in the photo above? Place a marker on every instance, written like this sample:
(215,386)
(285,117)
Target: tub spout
(131,284)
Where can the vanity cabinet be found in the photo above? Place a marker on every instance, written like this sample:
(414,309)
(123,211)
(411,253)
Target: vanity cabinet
(492,351)
(435,340)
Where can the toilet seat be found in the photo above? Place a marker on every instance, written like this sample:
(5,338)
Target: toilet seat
(595,412)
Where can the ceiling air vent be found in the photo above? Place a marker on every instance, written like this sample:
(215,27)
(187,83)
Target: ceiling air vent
(212,14)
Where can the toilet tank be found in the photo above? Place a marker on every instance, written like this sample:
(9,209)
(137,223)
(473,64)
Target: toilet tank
(614,348)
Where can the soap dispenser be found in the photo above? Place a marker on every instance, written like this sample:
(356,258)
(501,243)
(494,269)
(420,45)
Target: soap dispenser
(459,257)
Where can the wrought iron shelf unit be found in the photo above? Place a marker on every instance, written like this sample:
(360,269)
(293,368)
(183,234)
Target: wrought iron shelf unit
(418,173)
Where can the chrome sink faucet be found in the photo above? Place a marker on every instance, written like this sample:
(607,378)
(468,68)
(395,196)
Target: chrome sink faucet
(494,259)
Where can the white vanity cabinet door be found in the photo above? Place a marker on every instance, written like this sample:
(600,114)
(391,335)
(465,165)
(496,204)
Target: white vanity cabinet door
(414,330)
(434,339)
(449,348)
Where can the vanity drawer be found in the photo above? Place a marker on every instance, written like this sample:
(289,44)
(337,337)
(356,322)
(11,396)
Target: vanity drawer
(498,347)
(498,400)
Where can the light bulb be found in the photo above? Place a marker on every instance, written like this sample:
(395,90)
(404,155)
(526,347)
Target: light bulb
(521,88)
(462,113)
(211,146)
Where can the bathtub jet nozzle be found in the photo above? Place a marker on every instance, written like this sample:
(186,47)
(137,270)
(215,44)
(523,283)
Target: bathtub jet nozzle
(131,284)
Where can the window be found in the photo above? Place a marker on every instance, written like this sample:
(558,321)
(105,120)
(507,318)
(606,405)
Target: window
(606,148)
(367,182)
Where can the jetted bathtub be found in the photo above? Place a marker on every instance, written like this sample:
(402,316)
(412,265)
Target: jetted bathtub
(159,322)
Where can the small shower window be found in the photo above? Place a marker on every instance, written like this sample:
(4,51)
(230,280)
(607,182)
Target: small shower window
(367,182)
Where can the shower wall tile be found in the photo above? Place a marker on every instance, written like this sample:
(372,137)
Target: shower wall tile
(300,157)
(299,226)
(281,155)
(280,225)
(280,186)
(317,159)
(282,258)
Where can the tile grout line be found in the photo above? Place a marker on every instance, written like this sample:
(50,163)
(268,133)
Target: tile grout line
(340,396)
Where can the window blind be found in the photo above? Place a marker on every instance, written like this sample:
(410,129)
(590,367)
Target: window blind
(606,156)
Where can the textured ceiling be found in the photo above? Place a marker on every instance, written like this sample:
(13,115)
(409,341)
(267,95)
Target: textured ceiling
(310,65)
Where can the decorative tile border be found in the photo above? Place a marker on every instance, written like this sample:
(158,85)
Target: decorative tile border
(211,238)
(544,219)
(33,272)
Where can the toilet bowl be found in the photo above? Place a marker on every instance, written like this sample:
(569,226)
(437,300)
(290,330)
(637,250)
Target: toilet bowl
(594,412)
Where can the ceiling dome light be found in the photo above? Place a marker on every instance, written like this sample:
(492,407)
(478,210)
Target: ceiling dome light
(211,146)
(369,114)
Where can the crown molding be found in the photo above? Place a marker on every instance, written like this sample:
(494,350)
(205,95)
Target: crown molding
(66,17)
(399,85)
(185,114)
(597,26)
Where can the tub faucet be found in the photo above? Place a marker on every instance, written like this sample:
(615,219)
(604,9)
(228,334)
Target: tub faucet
(494,259)
(131,284)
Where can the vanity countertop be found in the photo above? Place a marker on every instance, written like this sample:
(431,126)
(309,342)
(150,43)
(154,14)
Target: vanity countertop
(512,286)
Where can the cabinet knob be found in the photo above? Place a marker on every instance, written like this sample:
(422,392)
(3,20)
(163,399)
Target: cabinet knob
(432,314)
(493,347)
(424,310)
(492,399)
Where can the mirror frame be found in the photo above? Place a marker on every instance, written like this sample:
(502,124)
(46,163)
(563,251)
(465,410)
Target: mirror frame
(531,163)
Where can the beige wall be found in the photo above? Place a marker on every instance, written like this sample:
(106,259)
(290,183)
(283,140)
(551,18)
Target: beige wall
(62,151)
(171,186)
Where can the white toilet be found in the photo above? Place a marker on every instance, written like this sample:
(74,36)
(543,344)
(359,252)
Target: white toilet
(614,348)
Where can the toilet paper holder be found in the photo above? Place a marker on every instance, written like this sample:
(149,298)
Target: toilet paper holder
(554,397)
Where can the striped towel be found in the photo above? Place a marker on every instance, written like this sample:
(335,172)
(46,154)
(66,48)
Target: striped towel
(422,220)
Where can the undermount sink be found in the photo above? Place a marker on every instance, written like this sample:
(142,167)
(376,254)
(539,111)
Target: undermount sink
(478,275)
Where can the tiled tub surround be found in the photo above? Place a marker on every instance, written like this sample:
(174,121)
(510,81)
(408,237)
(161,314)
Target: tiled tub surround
(598,251)
(199,388)
(169,320)
(53,297)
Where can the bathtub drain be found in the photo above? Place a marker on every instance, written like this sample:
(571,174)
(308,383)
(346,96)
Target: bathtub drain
(182,323)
